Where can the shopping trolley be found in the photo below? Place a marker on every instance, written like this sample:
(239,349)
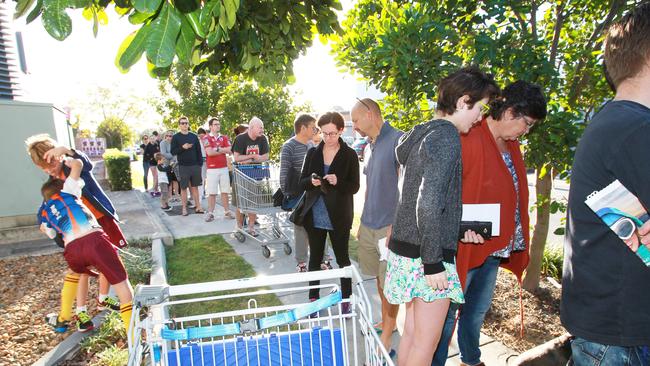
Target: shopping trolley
(255,185)
(300,333)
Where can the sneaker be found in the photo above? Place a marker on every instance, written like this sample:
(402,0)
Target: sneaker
(301,267)
(209,217)
(190,204)
(325,265)
(84,322)
(108,303)
(166,208)
(59,326)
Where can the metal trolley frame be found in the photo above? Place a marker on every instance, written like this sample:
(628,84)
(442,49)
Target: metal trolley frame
(254,186)
(301,333)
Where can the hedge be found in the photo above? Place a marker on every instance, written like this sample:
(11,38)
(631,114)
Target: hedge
(118,168)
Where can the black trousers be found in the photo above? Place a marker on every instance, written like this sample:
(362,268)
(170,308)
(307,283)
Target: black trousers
(317,247)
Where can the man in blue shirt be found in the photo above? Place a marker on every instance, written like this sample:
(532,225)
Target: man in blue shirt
(382,198)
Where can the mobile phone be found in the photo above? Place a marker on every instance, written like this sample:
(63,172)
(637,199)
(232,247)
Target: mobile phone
(483,228)
(316,176)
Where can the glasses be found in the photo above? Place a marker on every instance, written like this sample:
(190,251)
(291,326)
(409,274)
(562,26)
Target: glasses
(183,123)
(364,103)
(315,129)
(330,134)
(485,108)
(528,121)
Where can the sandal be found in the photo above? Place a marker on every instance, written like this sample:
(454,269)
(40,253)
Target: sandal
(199,211)
(229,215)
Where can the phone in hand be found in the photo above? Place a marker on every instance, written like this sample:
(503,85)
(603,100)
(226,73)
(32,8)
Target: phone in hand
(483,228)
(316,176)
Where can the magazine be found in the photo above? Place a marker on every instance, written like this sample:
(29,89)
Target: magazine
(623,213)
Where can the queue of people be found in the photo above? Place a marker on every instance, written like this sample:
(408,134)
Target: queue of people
(417,182)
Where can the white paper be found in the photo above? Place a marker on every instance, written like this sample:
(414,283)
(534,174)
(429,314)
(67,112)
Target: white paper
(484,212)
(383,249)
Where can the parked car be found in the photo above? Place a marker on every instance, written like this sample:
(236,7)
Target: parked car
(359,146)
(348,140)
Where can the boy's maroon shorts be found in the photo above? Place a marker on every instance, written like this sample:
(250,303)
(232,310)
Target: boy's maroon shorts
(112,229)
(95,250)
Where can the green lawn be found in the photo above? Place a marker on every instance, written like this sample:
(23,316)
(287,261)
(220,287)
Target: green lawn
(204,259)
(353,244)
(137,174)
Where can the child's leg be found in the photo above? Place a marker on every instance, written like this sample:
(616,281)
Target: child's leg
(82,293)
(164,196)
(125,294)
(68,293)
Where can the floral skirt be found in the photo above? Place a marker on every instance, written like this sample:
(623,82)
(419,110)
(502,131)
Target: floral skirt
(405,281)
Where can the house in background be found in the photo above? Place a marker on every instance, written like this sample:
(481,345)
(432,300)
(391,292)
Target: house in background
(20,180)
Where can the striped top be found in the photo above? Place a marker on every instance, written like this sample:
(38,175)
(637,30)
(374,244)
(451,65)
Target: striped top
(292,156)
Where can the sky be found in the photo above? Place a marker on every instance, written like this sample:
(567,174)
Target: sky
(68,73)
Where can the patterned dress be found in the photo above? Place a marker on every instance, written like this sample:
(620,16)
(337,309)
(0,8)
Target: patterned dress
(517,242)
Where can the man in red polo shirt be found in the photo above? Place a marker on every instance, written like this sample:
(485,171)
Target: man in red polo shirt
(217,179)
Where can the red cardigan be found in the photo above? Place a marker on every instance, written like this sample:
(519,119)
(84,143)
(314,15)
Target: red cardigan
(486,179)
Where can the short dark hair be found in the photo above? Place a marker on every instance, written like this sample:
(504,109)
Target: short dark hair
(211,120)
(627,46)
(155,133)
(470,81)
(302,120)
(332,117)
(201,130)
(241,128)
(51,187)
(524,99)
(183,118)
(158,156)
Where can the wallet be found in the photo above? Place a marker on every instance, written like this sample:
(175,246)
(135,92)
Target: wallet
(483,228)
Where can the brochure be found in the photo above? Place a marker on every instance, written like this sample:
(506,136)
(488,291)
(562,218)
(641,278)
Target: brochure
(623,213)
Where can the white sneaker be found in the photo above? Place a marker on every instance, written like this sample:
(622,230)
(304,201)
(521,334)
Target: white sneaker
(209,217)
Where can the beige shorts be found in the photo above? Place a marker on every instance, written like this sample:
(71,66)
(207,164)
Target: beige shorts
(369,252)
(217,181)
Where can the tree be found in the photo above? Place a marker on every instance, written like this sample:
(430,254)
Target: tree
(242,100)
(255,38)
(193,96)
(116,132)
(406,47)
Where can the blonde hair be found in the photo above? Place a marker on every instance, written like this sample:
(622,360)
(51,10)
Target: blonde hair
(37,146)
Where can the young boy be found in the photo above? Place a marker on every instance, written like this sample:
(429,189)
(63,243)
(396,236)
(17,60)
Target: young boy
(48,156)
(164,178)
(86,244)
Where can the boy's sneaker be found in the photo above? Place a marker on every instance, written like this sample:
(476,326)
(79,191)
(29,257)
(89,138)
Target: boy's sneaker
(59,326)
(108,303)
(84,322)
(325,265)
(209,217)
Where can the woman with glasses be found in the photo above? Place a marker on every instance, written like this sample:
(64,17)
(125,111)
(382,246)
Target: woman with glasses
(493,172)
(420,269)
(330,177)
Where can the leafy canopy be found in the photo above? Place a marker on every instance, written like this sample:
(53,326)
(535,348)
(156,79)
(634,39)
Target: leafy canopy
(117,133)
(255,38)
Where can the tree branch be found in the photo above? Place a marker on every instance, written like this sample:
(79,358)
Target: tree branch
(579,78)
(533,19)
(557,30)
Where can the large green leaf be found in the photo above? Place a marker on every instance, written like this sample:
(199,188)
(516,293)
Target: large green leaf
(131,49)
(55,19)
(22,6)
(139,18)
(185,42)
(161,42)
(146,6)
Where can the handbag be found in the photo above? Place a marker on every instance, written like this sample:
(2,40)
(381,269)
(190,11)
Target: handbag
(297,216)
(278,198)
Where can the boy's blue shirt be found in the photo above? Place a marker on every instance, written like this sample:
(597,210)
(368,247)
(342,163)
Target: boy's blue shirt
(66,214)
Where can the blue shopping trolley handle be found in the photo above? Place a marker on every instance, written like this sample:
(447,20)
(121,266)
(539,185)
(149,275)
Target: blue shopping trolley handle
(252,325)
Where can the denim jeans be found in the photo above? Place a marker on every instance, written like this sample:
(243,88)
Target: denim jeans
(585,353)
(479,288)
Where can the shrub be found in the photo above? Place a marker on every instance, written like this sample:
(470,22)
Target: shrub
(112,356)
(552,262)
(110,332)
(138,263)
(118,167)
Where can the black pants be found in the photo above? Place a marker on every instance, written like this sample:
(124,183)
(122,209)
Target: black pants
(317,247)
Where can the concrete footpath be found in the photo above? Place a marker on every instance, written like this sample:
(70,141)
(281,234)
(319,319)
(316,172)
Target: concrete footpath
(494,353)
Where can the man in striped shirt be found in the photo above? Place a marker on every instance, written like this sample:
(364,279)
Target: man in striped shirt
(292,156)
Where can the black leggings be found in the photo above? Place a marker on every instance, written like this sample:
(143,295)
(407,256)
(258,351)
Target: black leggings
(317,246)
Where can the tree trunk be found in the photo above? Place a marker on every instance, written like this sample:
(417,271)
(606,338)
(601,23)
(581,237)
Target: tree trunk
(543,188)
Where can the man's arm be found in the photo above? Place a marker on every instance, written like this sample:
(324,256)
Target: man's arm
(176,147)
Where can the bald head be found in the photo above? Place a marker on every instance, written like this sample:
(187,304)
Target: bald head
(255,128)
(366,117)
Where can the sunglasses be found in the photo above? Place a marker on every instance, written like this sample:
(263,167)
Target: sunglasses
(485,108)
(364,103)
(184,123)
